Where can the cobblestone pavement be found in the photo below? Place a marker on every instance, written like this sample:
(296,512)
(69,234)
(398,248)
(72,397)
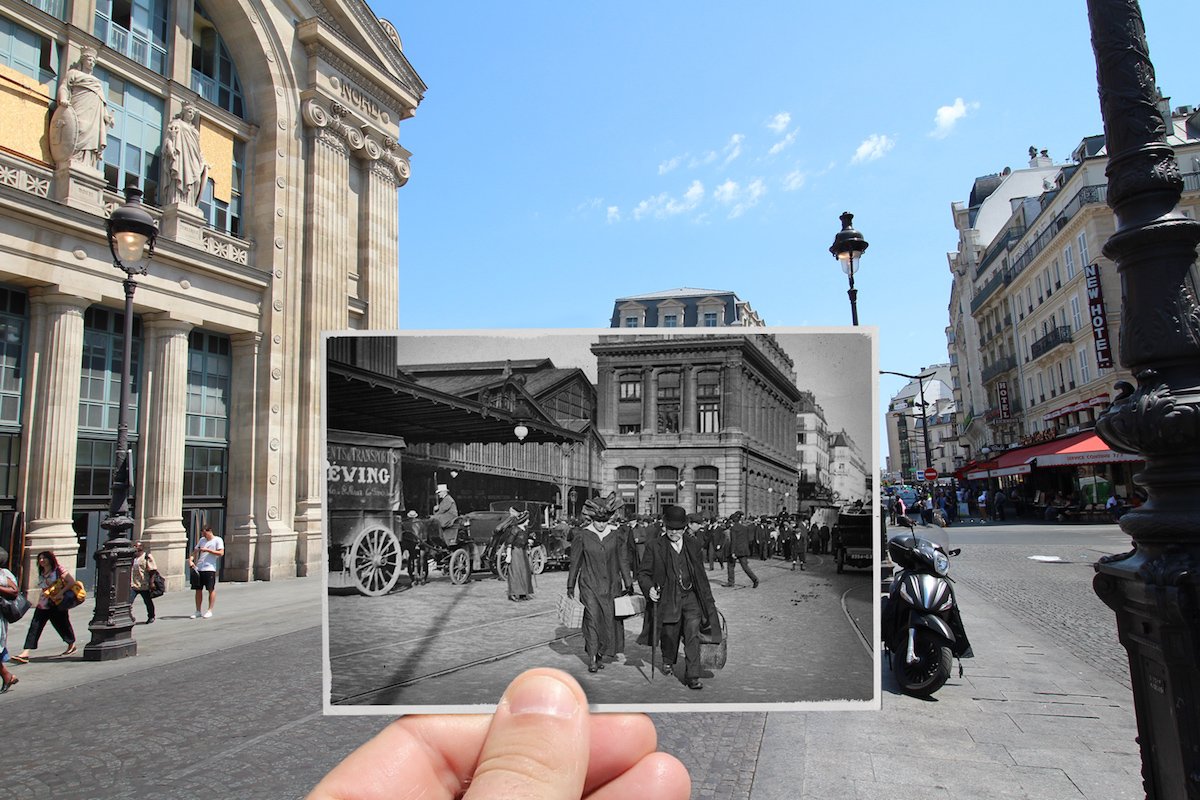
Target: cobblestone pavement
(1055,598)
(441,644)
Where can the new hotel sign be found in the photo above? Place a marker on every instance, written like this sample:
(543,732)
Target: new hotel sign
(1098,317)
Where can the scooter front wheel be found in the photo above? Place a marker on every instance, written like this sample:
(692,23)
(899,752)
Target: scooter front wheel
(930,667)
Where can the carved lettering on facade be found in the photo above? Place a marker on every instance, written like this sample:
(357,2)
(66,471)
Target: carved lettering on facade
(361,100)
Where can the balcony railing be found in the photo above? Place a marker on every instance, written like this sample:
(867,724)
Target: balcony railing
(999,367)
(1060,335)
(1088,195)
(132,44)
(54,8)
(204,86)
(999,279)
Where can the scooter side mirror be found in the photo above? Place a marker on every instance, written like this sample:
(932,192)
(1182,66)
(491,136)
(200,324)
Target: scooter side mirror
(956,551)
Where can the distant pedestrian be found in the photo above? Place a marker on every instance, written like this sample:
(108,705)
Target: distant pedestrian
(8,590)
(998,501)
(53,606)
(141,577)
(205,562)
(799,542)
(739,549)
(982,502)
(516,555)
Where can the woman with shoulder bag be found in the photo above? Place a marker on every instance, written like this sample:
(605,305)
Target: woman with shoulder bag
(53,606)
(9,590)
(141,578)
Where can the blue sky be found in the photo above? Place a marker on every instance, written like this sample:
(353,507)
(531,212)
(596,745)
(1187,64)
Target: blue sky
(569,153)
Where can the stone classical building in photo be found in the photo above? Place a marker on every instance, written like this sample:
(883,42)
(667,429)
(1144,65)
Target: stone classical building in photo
(706,422)
(265,138)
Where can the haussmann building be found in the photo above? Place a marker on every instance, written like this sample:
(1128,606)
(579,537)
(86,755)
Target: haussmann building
(265,138)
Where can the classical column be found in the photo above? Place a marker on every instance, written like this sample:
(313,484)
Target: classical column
(612,413)
(162,446)
(241,526)
(649,401)
(329,253)
(385,171)
(688,380)
(55,360)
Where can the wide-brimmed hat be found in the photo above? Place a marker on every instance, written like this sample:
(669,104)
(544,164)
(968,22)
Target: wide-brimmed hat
(601,508)
(675,518)
(735,516)
(513,519)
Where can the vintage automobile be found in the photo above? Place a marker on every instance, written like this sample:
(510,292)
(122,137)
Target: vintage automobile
(852,538)
(549,548)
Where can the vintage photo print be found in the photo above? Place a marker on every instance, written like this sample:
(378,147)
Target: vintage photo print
(683,521)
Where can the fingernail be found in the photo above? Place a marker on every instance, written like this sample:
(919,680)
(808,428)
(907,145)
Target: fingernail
(541,694)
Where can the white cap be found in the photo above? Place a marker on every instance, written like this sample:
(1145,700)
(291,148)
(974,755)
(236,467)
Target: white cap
(443,488)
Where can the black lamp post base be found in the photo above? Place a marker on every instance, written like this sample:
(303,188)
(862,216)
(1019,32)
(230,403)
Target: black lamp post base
(112,623)
(110,645)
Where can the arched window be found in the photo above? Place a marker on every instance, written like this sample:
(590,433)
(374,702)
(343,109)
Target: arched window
(666,488)
(214,77)
(627,489)
(707,490)
(627,474)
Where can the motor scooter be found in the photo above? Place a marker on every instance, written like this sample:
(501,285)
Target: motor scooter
(922,628)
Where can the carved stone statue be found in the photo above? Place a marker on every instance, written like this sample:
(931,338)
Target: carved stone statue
(79,126)
(184,170)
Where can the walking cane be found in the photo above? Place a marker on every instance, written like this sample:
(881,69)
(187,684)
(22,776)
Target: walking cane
(653,635)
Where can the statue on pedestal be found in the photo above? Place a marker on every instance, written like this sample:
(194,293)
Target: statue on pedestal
(184,170)
(79,126)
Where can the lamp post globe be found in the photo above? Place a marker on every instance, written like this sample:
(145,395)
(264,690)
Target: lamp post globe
(848,247)
(131,233)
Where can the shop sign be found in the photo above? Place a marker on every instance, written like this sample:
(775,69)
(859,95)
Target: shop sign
(1002,396)
(363,477)
(1098,316)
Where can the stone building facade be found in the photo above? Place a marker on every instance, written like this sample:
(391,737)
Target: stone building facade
(293,232)
(706,422)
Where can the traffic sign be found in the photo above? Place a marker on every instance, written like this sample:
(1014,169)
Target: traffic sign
(930,474)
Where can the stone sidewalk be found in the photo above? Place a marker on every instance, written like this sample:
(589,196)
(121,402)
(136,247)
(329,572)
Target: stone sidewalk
(1027,720)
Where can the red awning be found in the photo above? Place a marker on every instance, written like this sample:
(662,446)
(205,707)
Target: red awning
(981,470)
(1084,448)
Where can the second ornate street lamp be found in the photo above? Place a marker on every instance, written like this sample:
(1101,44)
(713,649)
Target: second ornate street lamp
(131,235)
(920,379)
(848,247)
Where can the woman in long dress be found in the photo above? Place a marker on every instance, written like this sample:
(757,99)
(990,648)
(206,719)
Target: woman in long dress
(600,566)
(516,556)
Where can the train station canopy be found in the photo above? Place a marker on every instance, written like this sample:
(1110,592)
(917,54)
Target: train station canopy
(367,401)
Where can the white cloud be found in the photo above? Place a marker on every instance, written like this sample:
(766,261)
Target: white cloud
(780,122)
(875,146)
(614,214)
(794,180)
(948,116)
(663,205)
(737,198)
(669,165)
(590,204)
(700,161)
(734,148)
(782,144)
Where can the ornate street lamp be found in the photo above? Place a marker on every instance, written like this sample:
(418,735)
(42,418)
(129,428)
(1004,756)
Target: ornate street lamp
(520,430)
(848,247)
(131,235)
(1155,588)
(920,379)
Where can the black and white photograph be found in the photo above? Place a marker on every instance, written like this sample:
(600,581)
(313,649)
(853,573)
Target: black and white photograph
(681,521)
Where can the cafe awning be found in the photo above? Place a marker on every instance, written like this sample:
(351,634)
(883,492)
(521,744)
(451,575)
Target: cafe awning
(1082,449)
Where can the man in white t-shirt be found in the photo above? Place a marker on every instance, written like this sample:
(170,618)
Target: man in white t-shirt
(204,563)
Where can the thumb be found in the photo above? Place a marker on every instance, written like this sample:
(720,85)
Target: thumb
(537,747)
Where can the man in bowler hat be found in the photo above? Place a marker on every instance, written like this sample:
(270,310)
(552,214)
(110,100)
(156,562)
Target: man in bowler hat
(672,575)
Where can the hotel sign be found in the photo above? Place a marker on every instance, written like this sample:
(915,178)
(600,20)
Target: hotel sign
(1002,397)
(1098,316)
